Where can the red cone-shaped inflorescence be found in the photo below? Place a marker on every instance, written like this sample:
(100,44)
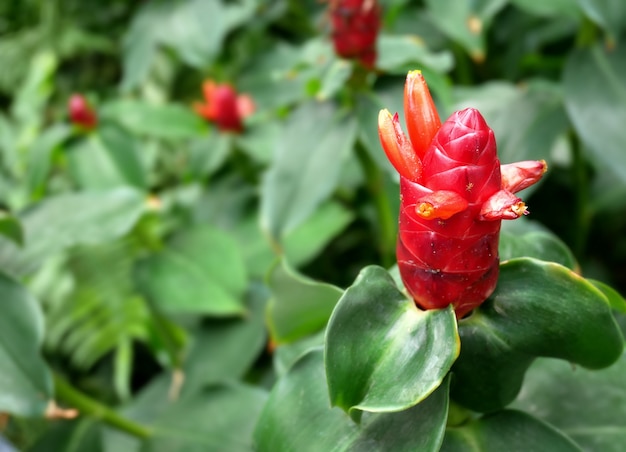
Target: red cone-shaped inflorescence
(454,194)
(224,107)
(355,25)
(81,113)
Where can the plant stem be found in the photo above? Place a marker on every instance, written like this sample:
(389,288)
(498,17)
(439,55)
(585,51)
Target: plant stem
(386,219)
(86,405)
(581,184)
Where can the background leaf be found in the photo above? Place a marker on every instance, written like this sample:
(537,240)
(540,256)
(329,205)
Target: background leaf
(299,306)
(595,407)
(26,382)
(595,99)
(298,410)
(66,220)
(316,140)
(201,272)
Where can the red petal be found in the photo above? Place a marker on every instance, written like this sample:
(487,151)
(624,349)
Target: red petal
(421,115)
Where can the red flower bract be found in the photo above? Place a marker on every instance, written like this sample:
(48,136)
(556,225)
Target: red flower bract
(355,26)
(80,112)
(453,195)
(223,106)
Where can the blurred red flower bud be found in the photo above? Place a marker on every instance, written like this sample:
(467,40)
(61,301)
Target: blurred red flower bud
(81,113)
(355,26)
(454,194)
(224,107)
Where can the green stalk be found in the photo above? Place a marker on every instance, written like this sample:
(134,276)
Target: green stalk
(581,187)
(86,405)
(386,220)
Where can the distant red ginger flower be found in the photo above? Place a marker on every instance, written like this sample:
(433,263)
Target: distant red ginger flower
(453,192)
(223,106)
(81,113)
(355,26)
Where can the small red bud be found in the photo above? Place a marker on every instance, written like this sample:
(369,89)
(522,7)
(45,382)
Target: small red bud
(223,106)
(80,112)
(355,25)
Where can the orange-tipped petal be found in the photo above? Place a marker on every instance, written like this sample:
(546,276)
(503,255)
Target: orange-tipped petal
(520,175)
(208,88)
(397,146)
(503,205)
(421,115)
(441,204)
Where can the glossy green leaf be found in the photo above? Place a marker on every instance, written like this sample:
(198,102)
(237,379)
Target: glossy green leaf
(202,272)
(123,150)
(208,153)
(382,353)
(299,306)
(70,219)
(538,309)
(510,430)
(222,350)
(316,141)
(169,121)
(26,383)
(537,244)
(595,99)
(589,406)
(465,22)
(334,78)
(298,416)
(11,228)
(218,418)
(400,53)
(608,14)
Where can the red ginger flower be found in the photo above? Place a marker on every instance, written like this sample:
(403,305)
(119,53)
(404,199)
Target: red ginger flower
(454,194)
(355,26)
(224,107)
(81,113)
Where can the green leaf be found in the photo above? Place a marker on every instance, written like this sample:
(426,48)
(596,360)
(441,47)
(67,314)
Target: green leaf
(537,244)
(226,349)
(508,430)
(298,417)
(40,156)
(588,406)
(334,78)
(208,153)
(108,158)
(382,353)
(552,8)
(528,120)
(70,219)
(75,435)
(299,306)
(610,15)
(11,228)
(217,418)
(316,141)
(465,22)
(595,99)
(168,121)
(538,309)
(194,29)
(26,383)
(286,355)
(201,272)
(398,54)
